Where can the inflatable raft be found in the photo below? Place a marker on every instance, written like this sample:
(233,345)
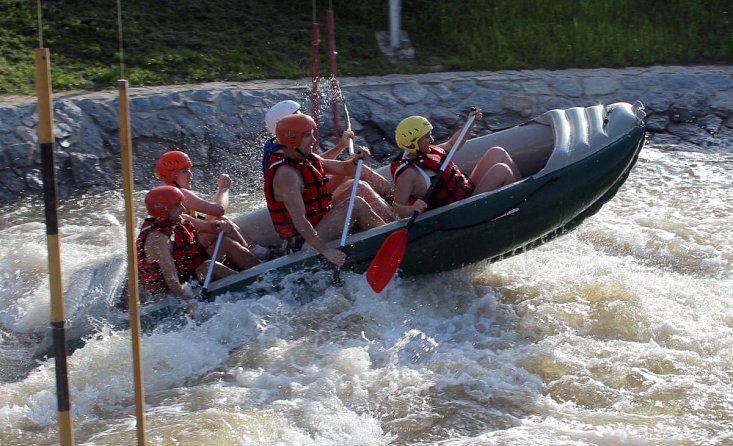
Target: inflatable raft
(572,160)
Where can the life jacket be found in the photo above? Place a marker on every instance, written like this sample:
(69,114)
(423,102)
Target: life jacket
(452,185)
(316,197)
(188,254)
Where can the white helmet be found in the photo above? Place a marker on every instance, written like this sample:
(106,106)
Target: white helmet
(279,111)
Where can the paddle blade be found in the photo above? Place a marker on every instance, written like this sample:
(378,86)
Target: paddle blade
(387,260)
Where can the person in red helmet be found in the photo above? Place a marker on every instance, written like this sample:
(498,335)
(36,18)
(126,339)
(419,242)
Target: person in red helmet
(170,253)
(297,194)
(174,168)
(338,185)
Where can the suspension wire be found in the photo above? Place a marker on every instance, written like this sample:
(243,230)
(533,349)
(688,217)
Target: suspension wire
(119,37)
(40,24)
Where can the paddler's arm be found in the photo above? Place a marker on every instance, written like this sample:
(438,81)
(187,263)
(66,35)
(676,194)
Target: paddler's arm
(157,249)
(404,189)
(288,188)
(346,167)
(223,184)
(336,150)
(449,144)
(194,202)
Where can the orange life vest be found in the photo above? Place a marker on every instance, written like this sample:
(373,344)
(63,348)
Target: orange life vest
(188,254)
(316,197)
(452,186)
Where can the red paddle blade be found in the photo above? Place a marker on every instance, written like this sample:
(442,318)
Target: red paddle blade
(388,259)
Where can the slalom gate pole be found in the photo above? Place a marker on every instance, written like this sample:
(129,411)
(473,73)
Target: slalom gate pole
(133,292)
(58,322)
(132,277)
(315,40)
(332,67)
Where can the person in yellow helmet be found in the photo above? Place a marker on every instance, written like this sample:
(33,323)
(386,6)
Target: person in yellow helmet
(413,170)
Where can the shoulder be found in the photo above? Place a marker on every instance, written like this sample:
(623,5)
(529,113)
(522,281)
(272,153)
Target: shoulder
(189,195)
(286,175)
(156,241)
(408,173)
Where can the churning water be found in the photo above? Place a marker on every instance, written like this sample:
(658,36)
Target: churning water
(619,333)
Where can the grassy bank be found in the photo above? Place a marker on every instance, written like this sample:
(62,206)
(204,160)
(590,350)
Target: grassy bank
(168,42)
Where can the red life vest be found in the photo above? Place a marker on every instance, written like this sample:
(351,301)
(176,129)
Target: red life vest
(452,186)
(316,197)
(188,254)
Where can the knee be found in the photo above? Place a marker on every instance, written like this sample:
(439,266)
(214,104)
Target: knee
(499,154)
(361,206)
(360,203)
(503,171)
(365,188)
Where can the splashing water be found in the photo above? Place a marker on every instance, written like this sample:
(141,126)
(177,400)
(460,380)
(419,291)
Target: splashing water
(617,333)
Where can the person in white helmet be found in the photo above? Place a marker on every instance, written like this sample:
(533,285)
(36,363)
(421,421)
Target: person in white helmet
(288,107)
(339,186)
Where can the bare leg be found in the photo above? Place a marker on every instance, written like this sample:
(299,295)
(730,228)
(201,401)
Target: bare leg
(365,191)
(220,271)
(379,184)
(499,175)
(335,182)
(237,254)
(493,156)
(206,239)
(331,227)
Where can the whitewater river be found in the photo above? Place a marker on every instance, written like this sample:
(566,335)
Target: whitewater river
(619,333)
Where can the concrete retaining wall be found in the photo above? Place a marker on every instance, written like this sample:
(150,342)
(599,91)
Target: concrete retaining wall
(221,125)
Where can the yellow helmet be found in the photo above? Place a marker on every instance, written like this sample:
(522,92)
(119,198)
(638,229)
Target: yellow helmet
(409,130)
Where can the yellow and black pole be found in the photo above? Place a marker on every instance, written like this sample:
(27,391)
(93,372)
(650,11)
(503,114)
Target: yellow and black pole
(58,322)
(132,283)
(130,226)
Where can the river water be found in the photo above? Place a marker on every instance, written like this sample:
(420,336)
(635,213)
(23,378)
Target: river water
(620,332)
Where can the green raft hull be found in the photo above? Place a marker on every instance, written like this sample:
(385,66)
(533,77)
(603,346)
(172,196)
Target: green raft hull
(498,224)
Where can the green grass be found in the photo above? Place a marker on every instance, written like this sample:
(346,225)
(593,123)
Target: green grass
(169,42)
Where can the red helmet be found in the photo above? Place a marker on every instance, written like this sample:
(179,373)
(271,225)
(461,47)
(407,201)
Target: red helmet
(161,199)
(292,128)
(170,163)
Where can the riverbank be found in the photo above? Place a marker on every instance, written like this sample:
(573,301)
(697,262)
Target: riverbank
(221,126)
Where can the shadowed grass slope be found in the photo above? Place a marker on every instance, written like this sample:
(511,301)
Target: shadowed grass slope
(168,42)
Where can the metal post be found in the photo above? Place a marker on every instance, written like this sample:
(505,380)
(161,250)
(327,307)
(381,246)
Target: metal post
(395,26)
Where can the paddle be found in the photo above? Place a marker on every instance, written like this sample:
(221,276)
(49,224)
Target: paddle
(354,188)
(210,272)
(390,254)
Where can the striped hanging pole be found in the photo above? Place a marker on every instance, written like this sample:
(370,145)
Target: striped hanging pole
(315,40)
(58,321)
(332,67)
